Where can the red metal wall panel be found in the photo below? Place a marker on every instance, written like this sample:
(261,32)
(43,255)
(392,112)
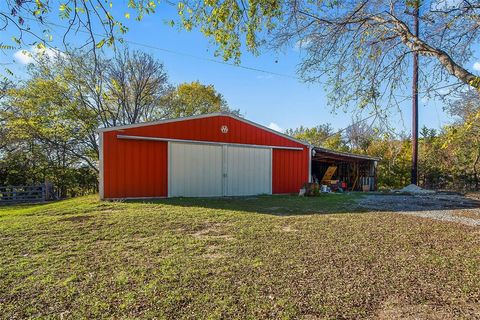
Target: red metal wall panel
(289,170)
(138,168)
(208,129)
(134,168)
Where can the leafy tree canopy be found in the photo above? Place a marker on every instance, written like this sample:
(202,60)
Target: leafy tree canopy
(193,98)
(360,46)
(322,136)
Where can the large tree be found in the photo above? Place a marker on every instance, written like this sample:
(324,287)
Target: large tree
(360,47)
(360,135)
(463,137)
(128,88)
(42,110)
(121,90)
(136,82)
(46,138)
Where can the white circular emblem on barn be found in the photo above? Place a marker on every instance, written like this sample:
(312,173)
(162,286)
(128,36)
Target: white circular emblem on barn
(224,129)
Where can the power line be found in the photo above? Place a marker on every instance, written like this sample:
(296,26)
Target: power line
(185,54)
(212,60)
(218,61)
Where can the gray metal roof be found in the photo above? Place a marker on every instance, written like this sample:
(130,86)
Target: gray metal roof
(345,154)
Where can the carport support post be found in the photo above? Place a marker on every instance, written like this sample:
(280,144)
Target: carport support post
(310,150)
(415,100)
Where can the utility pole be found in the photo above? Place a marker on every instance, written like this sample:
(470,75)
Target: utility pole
(414,179)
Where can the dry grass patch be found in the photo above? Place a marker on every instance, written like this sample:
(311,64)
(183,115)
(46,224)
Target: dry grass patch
(288,229)
(393,309)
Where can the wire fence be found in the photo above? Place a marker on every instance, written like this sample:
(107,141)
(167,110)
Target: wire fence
(27,193)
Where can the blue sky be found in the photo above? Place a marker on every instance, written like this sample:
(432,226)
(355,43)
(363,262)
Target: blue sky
(272,100)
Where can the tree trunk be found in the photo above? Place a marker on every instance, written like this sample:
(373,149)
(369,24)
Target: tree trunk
(475,172)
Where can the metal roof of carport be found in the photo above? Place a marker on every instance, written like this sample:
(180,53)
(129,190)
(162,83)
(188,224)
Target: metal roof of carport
(338,155)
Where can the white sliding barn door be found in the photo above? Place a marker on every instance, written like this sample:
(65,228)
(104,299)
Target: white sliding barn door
(248,171)
(204,170)
(195,170)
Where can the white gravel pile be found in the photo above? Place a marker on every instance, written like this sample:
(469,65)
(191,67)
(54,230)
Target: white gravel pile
(413,189)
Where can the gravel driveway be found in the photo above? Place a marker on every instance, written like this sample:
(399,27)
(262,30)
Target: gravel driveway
(439,206)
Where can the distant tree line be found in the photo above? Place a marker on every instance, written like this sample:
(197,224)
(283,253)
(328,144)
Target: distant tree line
(449,158)
(48,122)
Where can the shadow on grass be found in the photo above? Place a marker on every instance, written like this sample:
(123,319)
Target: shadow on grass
(281,205)
(23,205)
(353,202)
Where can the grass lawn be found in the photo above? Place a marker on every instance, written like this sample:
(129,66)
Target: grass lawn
(265,257)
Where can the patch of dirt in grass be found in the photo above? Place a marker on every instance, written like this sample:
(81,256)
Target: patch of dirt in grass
(76,218)
(212,231)
(208,235)
(213,256)
(107,210)
(472,214)
(288,229)
(394,309)
(212,253)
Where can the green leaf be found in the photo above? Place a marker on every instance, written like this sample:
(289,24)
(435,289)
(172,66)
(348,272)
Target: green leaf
(6,47)
(100,44)
(41,46)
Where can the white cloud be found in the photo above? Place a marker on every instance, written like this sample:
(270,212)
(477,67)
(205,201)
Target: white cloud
(476,66)
(302,44)
(275,127)
(27,56)
(23,57)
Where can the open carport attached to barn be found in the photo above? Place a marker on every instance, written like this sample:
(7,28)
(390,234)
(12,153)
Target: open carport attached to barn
(354,170)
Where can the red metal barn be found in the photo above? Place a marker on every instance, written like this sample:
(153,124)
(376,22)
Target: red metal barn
(200,156)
